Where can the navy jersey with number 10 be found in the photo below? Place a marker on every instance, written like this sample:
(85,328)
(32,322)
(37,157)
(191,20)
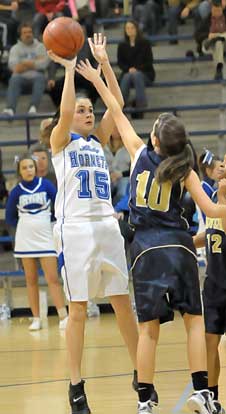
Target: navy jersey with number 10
(152,204)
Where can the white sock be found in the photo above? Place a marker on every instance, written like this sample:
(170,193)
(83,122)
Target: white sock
(62,313)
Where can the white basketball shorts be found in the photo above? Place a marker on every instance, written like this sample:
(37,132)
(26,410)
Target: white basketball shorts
(91,258)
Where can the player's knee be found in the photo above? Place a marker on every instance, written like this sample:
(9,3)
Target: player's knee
(31,280)
(121,303)
(212,342)
(77,311)
(52,280)
(150,329)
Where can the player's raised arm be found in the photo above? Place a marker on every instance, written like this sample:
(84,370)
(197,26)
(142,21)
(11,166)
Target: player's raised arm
(60,134)
(130,139)
(221,195)
(98,49)
(193,185)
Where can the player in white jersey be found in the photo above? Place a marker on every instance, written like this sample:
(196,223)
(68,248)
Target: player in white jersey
(89,244)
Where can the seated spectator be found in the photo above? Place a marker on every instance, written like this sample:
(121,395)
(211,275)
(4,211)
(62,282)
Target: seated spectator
(149,15)
(179,9)
(27,61)
(118,160)
(84,12)
(47,10)
(43,162)
(202,22)
(8,25)
(55,86)
(216,42)
(135,60)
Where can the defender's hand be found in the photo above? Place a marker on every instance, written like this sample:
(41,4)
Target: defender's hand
(98,47)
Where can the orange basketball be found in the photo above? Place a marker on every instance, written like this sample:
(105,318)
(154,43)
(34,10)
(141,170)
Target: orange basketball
(64,36)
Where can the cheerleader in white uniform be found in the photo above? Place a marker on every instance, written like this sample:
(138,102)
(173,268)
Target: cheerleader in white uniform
(89,243)
(29,209)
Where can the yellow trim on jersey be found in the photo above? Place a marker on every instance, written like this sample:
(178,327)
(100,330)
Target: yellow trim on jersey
(214,223)
(162,247)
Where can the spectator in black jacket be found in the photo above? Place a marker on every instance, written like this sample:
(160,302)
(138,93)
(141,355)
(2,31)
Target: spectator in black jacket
(135,60)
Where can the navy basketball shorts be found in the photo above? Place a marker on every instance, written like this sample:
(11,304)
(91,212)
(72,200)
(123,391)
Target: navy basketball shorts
(165,274)
(214,302)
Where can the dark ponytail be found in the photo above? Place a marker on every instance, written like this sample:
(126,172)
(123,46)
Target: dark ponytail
(174,146)
(176,167)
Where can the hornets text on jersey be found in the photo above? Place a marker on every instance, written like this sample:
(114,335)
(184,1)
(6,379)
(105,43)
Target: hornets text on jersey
(83,180)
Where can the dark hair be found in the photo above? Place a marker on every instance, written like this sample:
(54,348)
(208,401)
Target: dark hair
(217,3)
(47,130)
(139,32)
(207,160)
(39,147)
(22,25)
(81,95)
(25,156)
(174,147)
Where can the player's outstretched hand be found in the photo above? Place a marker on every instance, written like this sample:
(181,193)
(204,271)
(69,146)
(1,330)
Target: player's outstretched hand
(222,190)
(68,64)
(87,71)
(98,47)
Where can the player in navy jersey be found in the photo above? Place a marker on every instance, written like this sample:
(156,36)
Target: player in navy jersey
(89,244)
(214,291)
(164,265)
(212,170)
(28,209)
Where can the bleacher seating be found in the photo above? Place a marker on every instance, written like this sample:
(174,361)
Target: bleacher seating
(31,122)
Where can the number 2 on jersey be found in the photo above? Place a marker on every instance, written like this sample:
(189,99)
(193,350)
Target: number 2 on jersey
(214,242)
(100,183)
(159,194)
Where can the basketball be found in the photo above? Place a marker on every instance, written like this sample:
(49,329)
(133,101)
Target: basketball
(64,36)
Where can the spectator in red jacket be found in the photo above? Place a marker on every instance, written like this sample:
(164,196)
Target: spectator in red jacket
(216,42)
(47,10)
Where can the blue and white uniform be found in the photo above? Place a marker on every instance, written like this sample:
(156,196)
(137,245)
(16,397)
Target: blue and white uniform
(29,209)
(89,244)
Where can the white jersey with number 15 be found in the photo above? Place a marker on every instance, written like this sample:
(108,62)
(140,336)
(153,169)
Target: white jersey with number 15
(83,180)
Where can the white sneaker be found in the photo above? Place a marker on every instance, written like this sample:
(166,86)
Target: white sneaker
(201,402)
(145,407)
(92,309)
(36,324)
(63,323)
(32,110)
(8,111)
(218,407)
